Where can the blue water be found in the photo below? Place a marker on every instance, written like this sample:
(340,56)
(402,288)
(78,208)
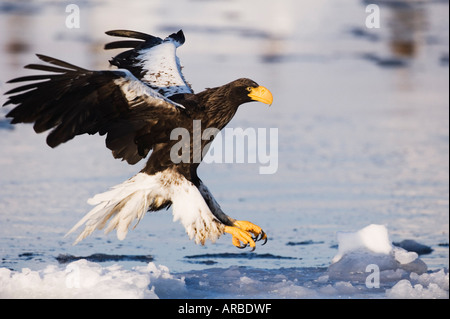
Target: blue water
(362,117)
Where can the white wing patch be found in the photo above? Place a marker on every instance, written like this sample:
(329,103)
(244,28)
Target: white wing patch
(128,202)
(132,88)
(163,68)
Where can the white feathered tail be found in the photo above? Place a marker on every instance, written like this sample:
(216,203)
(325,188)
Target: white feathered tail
(129,201)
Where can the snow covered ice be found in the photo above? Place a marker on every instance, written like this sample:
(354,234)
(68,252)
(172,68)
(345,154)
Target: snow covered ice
(395,273)
(372,246)
(84,279)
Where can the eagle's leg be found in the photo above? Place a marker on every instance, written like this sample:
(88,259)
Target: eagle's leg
(244,233)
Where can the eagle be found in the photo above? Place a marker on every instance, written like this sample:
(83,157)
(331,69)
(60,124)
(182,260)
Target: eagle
(138,104)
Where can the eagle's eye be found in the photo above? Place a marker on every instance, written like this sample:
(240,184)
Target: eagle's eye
(249,89)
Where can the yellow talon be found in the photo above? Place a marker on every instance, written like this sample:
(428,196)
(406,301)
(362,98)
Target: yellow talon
(240,236)
(241,232)
(254,229)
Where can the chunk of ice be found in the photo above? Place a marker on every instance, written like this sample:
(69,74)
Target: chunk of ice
(373,238)
(361,252)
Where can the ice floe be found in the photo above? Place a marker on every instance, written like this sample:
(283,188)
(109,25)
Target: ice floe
(367,265)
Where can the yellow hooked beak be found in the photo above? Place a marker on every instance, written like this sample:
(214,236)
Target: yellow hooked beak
(261,94)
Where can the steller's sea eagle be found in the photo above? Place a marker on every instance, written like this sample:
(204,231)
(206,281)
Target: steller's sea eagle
(137,106)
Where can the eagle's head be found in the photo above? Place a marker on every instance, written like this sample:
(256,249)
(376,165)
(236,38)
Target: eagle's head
(246,90)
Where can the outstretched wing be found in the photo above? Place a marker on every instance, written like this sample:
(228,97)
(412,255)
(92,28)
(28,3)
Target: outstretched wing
(152,60)
(72,101)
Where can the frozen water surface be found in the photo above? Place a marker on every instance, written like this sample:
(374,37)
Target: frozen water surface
(363,131)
